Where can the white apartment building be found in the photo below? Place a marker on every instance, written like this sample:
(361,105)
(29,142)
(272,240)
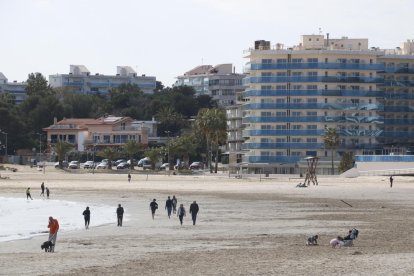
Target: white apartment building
(80,80)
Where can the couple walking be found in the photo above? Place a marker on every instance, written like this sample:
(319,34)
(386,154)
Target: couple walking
(193,211)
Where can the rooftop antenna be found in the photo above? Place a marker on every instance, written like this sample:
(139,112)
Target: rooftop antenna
(320,30)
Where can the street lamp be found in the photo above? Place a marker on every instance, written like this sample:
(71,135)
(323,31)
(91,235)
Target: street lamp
(40,146)
(168,148)
(93,152)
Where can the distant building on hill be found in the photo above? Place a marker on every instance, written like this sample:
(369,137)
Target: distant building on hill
(220,82)
(80,80)
(16,89)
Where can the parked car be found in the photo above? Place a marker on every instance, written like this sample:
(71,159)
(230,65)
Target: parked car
(143,161)
(134,162)
(73,165)
(88,165)
(164,166)
(196,166)
(117,162)
(102,165)
(64,164)
(123,165)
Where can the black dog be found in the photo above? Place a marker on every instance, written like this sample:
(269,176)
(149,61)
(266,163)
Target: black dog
(47,246)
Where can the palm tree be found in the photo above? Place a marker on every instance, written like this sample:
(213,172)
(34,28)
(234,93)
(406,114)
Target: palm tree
(331,140)
(154,154)
(183,146)
(131,148)
(110,154)
(61,148)
(212,124)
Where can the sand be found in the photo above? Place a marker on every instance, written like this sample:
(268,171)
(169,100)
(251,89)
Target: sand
(247,226)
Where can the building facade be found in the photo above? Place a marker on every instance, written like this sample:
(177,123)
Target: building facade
(80,80)
(292,95)
(16,89)
(108,131)
(220,82)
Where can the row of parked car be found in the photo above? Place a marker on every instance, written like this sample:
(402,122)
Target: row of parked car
(121,164)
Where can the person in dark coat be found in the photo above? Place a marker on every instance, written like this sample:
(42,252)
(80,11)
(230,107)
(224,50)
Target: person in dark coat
(120,214)
(42,188)
(169,206)
(47,192)
(153,207)
(391,180)
(174,201)
(87,216)
(193,211)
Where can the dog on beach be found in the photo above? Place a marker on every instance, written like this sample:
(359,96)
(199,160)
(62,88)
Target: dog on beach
(47,246)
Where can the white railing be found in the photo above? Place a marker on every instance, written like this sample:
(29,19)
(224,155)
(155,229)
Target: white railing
(409,171)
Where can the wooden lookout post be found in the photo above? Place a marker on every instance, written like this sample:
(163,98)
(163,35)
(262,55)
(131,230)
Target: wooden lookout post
(311,172)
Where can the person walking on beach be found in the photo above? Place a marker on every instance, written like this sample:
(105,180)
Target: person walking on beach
(391,180)
(169,206)
(193,211)
(87,216)
(42,187)
(174,202)
(153,207)
(53,229)
(129,177)
(120,214)
(47,192)
(28,194)
(181,213)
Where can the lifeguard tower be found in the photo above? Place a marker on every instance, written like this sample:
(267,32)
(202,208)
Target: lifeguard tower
(311,172)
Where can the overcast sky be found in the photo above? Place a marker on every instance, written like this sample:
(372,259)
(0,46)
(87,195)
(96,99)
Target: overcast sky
(165,38)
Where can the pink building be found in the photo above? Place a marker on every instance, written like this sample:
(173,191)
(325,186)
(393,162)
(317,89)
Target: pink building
(107,131)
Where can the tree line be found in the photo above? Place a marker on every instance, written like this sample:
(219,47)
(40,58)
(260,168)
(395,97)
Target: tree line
(172,107)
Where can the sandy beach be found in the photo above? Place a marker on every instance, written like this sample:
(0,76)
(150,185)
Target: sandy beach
(248,226)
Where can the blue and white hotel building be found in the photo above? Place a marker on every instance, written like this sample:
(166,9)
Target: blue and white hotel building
(293,94)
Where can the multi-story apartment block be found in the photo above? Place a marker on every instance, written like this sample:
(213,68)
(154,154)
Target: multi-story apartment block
(219,81)
(108,131)
(80,80)
(292,95)
(16,89)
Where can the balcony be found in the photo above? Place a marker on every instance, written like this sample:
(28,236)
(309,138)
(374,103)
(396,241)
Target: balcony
(315,65)
(399,70)
(311,79)
(399,83)
(272,159)
(315,119)
(250,146)
(307,106)
(282,132)
(304,92)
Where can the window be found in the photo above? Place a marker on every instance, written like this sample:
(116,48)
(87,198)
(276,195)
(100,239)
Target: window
(264,153)
(264,140)
(312,100)
(266,87)
(297,127)
(279,153)
(281,60)
(280,127)
(296,87)
(107,139)
(297,101)
(266,74)
(296,60)
(296,114)
(312,113)
(266,61)
(280,140)
(280,101)
(266,127)
(266,114)
(280,87)
(296,74)
(312,74)
(311,140)
(280,114)
(312,60)
(296,153)
(296,140)
(281,74)
(311,127)
(312,87)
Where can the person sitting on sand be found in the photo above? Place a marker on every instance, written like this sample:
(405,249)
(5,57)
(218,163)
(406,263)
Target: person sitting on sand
(312,240)
(337,242)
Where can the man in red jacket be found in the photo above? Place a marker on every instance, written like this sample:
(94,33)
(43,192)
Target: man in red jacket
(53,229)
